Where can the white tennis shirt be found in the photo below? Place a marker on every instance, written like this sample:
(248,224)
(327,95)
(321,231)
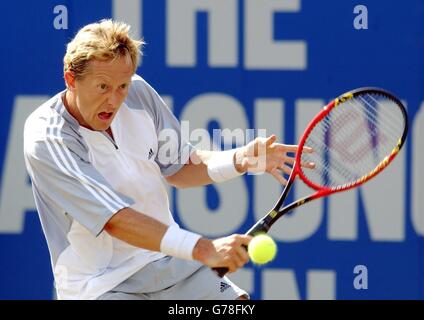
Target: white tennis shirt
(81,178)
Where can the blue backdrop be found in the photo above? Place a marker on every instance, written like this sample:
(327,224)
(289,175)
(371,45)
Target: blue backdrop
(363,245)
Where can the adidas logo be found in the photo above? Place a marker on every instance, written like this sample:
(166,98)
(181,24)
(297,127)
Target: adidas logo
(224,286)
(151,153)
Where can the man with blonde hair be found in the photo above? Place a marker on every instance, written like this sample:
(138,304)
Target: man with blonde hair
(92,152)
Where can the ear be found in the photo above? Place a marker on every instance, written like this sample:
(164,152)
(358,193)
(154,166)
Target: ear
(69,79)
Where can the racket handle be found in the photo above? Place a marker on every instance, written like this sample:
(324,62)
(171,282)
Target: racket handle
(260,227)
(221,271)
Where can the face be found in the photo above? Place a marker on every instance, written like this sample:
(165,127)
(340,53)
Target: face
(100,93)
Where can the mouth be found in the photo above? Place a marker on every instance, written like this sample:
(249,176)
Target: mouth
(105,116)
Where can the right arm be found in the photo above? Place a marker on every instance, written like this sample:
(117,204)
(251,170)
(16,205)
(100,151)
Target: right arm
(145,232)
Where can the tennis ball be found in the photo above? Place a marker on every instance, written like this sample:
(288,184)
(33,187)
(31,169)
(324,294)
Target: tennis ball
(262,249)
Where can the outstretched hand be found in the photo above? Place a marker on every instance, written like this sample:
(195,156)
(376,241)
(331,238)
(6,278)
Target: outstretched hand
(265,155)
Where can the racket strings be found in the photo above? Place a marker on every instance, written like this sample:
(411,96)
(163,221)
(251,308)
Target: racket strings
(322,169)
(335,126)
(343,136)
(390,125)
(350,132)
(372,118)
(338,169)
(394,124)
(385,111)
(353,139)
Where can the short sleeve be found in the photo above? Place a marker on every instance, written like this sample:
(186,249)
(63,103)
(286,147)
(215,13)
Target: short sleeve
(63,176)
(173,151)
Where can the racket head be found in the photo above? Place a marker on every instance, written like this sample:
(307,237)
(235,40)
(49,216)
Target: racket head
(354,138)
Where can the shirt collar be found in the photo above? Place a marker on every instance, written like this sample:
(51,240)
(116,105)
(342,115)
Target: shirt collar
(60,108)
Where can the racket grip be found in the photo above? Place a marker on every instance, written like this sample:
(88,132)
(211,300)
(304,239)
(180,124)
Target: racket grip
(221,271)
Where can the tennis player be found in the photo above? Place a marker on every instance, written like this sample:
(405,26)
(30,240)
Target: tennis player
(93,155)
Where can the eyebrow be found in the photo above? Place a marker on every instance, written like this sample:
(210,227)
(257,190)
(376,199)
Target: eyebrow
(98,76)
(102,79)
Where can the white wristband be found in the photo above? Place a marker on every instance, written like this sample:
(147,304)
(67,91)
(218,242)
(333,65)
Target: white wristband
(179,243)
(221,166)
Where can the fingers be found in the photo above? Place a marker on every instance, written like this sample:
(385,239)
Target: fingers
(284,168)
(242,256)
(230,252)
(278,176)
(231,265)
(245,239)
(262,145)
(307,149)
(309,165)
(289,148)
(289,160)
(270,140)
(275,157)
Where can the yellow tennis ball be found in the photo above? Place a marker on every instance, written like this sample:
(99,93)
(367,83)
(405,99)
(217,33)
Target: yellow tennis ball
(262,249)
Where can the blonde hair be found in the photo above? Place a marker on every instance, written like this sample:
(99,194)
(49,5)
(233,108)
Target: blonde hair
(105,40)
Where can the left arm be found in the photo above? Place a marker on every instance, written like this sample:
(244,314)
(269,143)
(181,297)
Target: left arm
(194,172)
(260,155)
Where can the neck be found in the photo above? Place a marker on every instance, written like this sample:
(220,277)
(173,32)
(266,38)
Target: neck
(70,103)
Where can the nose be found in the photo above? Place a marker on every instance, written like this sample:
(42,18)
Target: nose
(115,99)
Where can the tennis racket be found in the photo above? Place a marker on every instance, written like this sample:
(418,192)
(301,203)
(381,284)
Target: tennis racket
(354,138)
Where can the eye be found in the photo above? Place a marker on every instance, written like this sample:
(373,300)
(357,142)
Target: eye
(124,86)
(103,87)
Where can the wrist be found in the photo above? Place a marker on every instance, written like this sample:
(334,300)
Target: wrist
(221,166)
(179,243)
(201,250)
(240,160)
